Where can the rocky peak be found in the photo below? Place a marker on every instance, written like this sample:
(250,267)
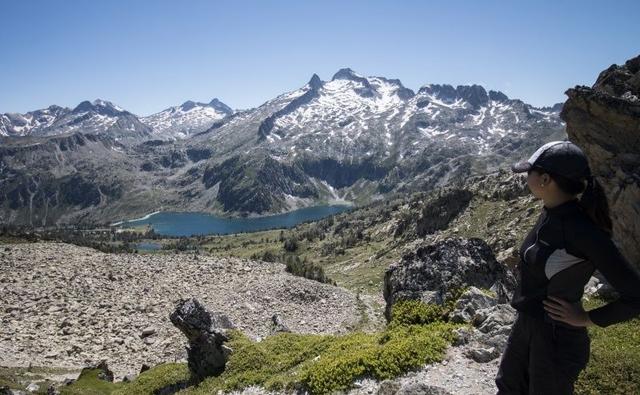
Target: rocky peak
(474,94)
(555,108)
(444,92)
(621,81)
(220,106)
(603,121)
(98,106)
(498,96)
(315,82)
(188,105)
(346,74)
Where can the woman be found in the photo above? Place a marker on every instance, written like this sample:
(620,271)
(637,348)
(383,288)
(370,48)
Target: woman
(549,343)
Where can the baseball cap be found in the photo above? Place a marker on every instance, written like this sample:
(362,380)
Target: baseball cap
(559,157)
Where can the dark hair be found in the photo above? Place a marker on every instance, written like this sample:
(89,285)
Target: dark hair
(593,200)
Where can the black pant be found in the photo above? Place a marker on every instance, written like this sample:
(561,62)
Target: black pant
(542,358)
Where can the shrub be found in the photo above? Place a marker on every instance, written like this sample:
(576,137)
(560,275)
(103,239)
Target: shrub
(290,244)
(415,312)
(307,270)
(324,364)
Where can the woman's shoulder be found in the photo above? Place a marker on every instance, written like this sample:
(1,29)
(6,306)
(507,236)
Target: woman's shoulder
(580,225)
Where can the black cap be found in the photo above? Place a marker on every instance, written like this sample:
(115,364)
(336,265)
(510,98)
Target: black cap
(559,157)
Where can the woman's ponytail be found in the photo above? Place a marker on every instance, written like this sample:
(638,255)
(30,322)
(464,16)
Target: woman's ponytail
(594,203)
(593,200)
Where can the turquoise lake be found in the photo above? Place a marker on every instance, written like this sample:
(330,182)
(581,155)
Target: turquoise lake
(191,224)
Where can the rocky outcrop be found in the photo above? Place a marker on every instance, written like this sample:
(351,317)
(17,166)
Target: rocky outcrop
(433,273)
(604,121)
(206,353)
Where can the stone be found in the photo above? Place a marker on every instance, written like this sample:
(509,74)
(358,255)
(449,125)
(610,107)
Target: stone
(471,301)
(278,324)
(388,387)
(129,378)
(148,331)
(206,355)
(502,315)
(435,271)
(32,387)
(483,355)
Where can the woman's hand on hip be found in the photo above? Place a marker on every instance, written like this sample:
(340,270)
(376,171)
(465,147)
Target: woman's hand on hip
(561,310)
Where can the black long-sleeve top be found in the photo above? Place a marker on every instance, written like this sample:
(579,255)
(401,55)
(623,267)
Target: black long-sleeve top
(558,257)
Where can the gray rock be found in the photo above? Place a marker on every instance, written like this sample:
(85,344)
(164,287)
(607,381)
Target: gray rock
(495,318)
(603,121)
(436,271)
(464,335)
(206,352)
(33,387)
(471,301)
(483,355)
(148,331)
(129,378)
(278,324)
(389,387)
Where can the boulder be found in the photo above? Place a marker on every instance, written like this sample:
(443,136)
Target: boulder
(603,121)
(206,333)
(482,355)
(436,271)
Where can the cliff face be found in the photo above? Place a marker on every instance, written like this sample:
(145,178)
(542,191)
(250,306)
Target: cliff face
(604,121)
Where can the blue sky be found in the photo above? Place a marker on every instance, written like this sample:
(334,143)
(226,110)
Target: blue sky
(149,55)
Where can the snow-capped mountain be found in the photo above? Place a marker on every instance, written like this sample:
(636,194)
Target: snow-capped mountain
(352,117)
(351,138)
(189,118)
(97,117)
(15,124)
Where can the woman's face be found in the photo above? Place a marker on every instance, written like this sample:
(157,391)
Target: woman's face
(538,183)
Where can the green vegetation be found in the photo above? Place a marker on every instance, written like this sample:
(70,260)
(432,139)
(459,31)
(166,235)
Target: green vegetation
(88,383)
(327,363)
(614,364)
(161,376)
(320,364)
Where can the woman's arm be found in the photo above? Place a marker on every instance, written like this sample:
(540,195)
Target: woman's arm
(597,246)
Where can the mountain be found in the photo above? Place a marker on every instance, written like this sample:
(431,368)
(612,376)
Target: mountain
(187,119)
(352,138)
(97,117)
(15,124)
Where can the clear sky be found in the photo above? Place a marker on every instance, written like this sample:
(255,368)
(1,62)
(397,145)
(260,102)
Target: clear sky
(149,55)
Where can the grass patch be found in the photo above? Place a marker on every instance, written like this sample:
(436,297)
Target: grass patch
(324,364)
(88,383)
(146,383)
(614,365)
(161,376)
